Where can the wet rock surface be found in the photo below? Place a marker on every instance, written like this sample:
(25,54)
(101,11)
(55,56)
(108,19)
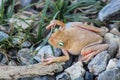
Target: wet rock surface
(110,11)
(99,63)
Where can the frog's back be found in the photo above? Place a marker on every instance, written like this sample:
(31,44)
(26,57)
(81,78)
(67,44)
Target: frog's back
(80,38)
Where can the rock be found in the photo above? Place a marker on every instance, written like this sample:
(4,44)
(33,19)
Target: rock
(26,44)
(25,2)
(113,74)
(89,76)
(69,62)
(109,38)
(115,32)
(111,10)
(99,63)
(114,25)
(1,56)
(112,50)
(113,42)
(76,71)
(12,53)
(22,20)
(112,64)
(118,52)
(25,56)
(3,36)
(63,76)
(12,63)
(47,77)
(46,51)
(18,39)
(118,63)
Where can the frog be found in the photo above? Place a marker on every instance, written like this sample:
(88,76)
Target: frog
(76,38)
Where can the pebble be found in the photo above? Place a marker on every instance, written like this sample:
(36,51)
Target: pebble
(118,52)
(99,63)
(113,74)
(76,71)
(21,23)
(1,56)
(47,77)
(111,10)
(25,2)
(45,52)
(89,76)
(26,44)
(25,56)
(63,76)
(113,42)
(3,35)
(12,63)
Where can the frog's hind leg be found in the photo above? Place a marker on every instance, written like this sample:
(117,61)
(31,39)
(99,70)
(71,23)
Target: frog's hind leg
(89,52)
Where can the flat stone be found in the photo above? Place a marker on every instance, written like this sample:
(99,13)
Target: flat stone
(46,51)
(99,63)
(113,74)
(111,10)
(76,71)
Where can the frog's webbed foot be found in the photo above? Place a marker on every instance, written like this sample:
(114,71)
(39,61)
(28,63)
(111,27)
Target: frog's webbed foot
(91,51)
(53,23)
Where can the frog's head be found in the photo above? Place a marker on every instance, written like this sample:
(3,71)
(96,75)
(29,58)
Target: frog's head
(58,39)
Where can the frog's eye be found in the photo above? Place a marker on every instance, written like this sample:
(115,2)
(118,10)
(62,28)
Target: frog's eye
(56,29)
(61,43)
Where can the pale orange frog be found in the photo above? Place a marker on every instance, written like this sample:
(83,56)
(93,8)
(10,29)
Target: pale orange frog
(76,39)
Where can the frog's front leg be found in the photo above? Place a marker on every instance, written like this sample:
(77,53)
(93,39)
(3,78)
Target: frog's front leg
(89,52)
(57,59)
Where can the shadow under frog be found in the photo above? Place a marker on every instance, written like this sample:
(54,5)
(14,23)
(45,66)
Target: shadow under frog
(76,38)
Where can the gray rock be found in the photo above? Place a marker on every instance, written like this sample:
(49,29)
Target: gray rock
(39,78)
(113,74)
(76,71)
(26,44)
(25,2)
(3,35)
(111,9)
(12,63)
(89,76)
(112,64)
(113,42)
(63,76)
(118,52)
(118,64)
(99,63)
(46,51)
(1,56)
(25,56)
